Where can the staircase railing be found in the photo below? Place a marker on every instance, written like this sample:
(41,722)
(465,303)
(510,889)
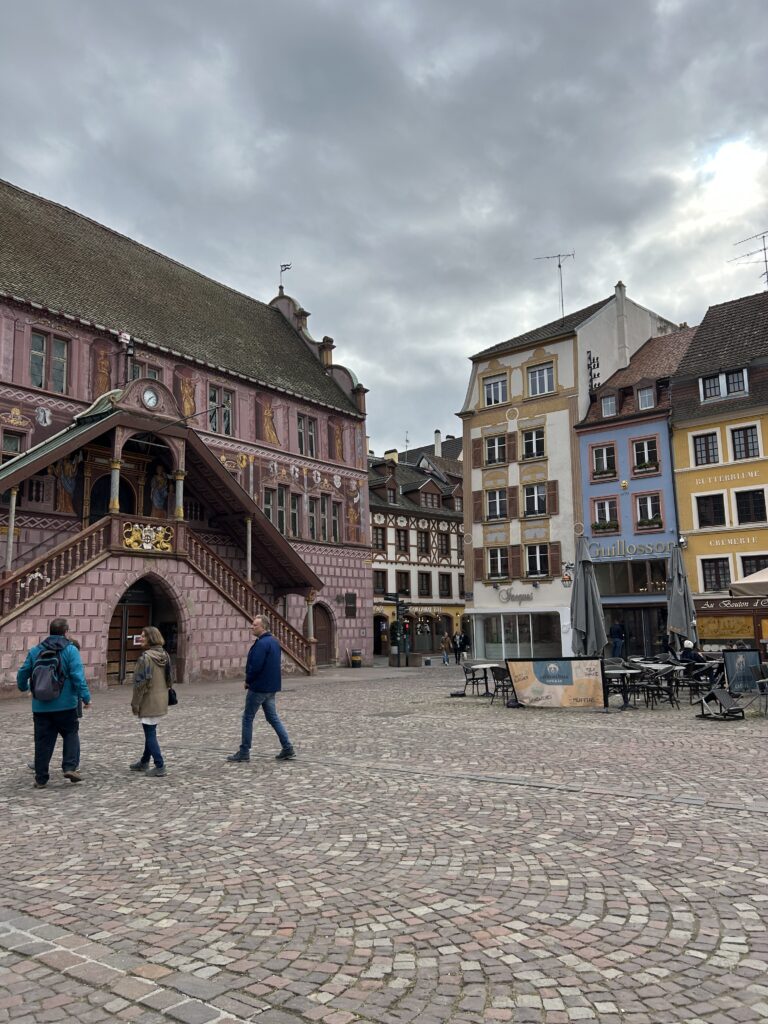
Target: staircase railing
(243,596)
(55,568)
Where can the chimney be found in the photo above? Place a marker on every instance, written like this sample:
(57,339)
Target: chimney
(391,454)
(621,324)
(438,444)
(326,351)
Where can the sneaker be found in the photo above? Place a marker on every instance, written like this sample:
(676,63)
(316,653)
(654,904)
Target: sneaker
(139,766)
(73,776)
(286,754)
(158,773)
(239,757)
(31,765)
(40,785)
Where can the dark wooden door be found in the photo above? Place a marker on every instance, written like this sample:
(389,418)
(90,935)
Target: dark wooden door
(123,649)
(323,635)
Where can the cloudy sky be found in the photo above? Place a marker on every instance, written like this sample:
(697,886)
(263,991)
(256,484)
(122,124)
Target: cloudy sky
(410,158)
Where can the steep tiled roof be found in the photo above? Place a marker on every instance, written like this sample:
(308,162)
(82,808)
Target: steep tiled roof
(656,360)
(565,325)
(408,480)
(451,448)
(730,336)
(66,262)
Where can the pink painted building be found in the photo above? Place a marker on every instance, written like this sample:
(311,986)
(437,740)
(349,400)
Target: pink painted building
(173,452)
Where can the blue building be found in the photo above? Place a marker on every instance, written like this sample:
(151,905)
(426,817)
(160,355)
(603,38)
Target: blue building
(628,498)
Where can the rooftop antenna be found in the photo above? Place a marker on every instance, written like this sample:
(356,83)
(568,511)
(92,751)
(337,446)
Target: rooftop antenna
(283,268)
(762,251)
(406,443)
(560,256)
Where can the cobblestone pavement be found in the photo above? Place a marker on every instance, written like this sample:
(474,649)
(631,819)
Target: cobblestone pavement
(424,859)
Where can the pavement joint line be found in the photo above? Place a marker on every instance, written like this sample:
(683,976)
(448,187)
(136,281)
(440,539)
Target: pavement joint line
(9,930)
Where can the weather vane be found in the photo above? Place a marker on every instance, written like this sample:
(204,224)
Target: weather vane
(283,268)
(560,256)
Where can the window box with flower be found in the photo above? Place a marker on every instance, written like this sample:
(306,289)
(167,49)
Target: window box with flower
(603,474)
(654,523)
(646,467)
(608,526)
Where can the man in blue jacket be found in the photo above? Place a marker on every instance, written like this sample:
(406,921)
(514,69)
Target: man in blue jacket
(57,717)
(262,681)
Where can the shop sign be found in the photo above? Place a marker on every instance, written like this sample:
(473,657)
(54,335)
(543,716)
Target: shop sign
(731,604)
(620,549)
(729,542)
(507,595)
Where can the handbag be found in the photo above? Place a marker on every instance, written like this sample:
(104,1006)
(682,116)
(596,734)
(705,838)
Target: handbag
(172,698)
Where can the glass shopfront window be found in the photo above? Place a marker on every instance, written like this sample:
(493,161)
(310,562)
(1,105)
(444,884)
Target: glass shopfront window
(509,635)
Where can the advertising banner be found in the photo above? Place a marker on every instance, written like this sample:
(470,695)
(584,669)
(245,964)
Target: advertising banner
(558,682)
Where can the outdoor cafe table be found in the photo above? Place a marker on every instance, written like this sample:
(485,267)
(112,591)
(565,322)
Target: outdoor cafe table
(623,674)
(484,665)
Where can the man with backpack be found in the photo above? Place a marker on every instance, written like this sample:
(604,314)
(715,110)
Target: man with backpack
(53,671)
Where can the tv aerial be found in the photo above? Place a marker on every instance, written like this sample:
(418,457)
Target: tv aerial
(762,250)
(560,256)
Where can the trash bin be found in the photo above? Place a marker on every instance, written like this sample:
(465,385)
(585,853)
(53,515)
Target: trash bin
(428,662)
(356,659)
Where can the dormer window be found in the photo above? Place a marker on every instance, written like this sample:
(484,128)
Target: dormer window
(645,398)
(495,389)
(391,496)
(722,385)
(609,405)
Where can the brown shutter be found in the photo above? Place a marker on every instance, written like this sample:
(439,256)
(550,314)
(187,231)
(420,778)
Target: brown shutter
(555,563)
(512,447)
(553,505)
(515,556)
(477,506)
(477,452)
(479,557)
(513,510)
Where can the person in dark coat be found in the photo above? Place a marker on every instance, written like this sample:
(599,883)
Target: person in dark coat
(262,682)
(617,636)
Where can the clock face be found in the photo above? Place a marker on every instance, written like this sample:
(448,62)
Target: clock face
(149,397)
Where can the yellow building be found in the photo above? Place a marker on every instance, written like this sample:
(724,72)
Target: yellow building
(720,433)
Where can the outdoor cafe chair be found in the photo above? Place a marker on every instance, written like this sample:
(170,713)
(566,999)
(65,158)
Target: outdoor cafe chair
(502,683)
(474,680)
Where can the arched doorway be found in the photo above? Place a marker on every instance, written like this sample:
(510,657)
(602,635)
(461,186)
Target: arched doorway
(326,647)
(143,604)
(99,501)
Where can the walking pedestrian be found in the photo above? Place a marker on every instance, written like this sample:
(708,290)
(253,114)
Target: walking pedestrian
(31,764)
(262,682)
(617,636)
(456,643)
(149,701)
(446,646)
(53,670)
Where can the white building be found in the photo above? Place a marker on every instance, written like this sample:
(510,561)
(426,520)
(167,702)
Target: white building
(522,470)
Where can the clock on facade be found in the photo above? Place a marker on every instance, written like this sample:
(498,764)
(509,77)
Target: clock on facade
(150,397)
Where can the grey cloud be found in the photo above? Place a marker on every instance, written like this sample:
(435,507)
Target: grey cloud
(411,160)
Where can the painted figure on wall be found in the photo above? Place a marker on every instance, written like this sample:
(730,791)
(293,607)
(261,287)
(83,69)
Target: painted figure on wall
(338,443)
(102,378)
(65,471)
(187,388)
(270,434)
(158,492)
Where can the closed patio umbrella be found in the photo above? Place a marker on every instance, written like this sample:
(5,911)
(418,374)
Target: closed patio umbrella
(588,637)
(681,613)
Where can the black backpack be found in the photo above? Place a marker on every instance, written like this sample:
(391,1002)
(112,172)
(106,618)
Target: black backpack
(47,680)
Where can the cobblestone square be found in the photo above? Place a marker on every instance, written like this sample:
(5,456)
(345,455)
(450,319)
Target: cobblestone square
(424,859)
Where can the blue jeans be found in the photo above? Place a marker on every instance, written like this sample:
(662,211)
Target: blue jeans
(151,746)
(253,702)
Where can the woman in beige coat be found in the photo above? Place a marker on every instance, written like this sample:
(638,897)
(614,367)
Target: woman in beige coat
(151,682)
